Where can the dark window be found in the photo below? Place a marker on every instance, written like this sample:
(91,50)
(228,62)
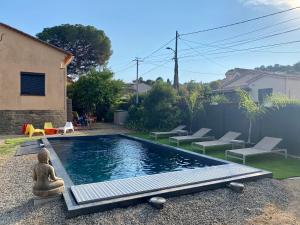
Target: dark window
(263,93)
(33,84)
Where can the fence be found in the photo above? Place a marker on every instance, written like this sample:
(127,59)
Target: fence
(283,123)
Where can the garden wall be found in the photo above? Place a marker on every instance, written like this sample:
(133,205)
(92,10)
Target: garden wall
(12,120)
(283,123)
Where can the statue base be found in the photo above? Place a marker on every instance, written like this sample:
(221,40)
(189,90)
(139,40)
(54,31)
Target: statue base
(38,201)
(48,193)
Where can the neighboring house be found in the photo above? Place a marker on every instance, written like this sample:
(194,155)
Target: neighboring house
(70,80)
(259,84)
(33,76)
(142,88)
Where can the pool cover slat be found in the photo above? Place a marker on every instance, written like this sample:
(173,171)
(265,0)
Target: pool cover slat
(87,193)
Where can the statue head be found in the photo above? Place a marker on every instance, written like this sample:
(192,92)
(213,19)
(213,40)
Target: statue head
(44,156)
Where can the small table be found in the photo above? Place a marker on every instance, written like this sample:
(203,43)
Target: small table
(50,131)
(237,143)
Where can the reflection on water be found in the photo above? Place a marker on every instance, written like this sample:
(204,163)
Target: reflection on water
(97,159)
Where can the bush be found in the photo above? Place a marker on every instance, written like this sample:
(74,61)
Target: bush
(160,108)
(156,110)
(95,93)
(135,118)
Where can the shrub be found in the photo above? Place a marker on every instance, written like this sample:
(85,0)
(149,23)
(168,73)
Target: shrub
(156,110)
(160,108)
(219,99)
(280,100)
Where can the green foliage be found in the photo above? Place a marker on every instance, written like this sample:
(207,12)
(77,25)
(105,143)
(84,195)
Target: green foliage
(156,110)
(89,46)
(281,68)
(219,99)
(247,104)
(277,100)
(95,93)
(250,108)
(135,120)
(214,85)
(160,109)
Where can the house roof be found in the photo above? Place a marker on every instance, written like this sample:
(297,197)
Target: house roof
(38,40)
(142,87)
(242,78)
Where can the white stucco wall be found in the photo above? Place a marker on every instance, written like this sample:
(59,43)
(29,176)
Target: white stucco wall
(285,85)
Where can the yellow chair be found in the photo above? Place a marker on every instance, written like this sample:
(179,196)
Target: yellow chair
(48,125)
(31,130)
(27,129)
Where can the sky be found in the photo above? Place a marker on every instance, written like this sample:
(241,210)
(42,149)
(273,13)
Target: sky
(137,28)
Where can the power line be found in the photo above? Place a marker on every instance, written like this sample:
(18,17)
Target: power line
(254,31)
(240,22)
(126,68)
(205,57)
(154,68)
(245,49)
(164,45)
(241,42)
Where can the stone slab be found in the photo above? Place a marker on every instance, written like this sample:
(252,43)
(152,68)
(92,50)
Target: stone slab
(31,149)
(30,143)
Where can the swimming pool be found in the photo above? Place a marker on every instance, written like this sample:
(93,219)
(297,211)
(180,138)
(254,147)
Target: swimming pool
(108,171)
(96,159)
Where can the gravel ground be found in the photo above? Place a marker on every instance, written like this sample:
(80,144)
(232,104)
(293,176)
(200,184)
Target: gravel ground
(220,206)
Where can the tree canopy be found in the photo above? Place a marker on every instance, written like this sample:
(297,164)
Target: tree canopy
(281,68)
(89,46)
(95,93)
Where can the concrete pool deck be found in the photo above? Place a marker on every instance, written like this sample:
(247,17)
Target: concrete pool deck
(214,177)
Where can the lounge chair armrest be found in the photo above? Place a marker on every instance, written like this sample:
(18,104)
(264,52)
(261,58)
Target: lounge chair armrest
(210,138)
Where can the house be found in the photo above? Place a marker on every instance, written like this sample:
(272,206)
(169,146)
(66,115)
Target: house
(259,84)
(142,88)
(33,76)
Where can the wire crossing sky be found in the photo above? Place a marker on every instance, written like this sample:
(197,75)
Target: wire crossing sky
(215,36)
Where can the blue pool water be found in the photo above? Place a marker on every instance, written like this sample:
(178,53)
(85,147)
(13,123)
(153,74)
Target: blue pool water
(104,158)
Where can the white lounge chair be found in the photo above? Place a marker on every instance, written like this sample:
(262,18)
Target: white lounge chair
(264,146)
(68,127)
(197,136)
(175,131)
(223,141)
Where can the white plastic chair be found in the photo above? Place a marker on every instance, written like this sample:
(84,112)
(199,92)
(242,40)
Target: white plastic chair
(68,127)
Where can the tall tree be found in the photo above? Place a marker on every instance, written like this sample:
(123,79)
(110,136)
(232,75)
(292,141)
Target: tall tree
(250,108)
(89,46)
(95,93)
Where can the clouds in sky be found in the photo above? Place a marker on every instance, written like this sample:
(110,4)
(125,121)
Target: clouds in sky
(278,3)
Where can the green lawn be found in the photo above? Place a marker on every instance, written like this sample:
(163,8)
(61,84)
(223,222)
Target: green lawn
(9,145)
(281,168)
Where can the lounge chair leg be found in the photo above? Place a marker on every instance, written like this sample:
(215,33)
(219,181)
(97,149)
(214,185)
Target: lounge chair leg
(226,155)
(204,150)
(285,154)
(244,159)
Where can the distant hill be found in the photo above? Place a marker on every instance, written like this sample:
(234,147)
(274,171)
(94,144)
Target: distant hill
(281,68)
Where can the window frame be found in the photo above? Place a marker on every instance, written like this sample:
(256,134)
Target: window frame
(33,74)
(265,90)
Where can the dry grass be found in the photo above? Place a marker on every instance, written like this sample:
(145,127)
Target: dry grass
(274,216)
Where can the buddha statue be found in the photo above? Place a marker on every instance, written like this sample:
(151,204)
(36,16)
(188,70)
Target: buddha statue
(46,183)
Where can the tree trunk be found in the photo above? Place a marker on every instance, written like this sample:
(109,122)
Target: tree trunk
(249,131)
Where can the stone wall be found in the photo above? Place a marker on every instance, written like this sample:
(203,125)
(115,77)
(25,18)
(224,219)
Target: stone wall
(11,121)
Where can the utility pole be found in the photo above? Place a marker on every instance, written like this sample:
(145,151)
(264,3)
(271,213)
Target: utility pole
(176,78)
(137,60)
